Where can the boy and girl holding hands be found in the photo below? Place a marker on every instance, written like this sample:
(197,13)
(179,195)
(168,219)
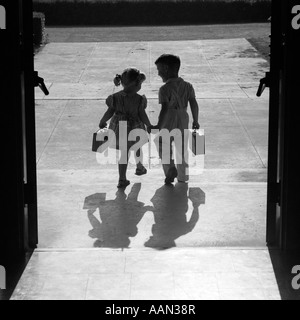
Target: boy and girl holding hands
(174,96)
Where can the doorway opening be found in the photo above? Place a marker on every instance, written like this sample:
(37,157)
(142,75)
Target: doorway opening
(79,206)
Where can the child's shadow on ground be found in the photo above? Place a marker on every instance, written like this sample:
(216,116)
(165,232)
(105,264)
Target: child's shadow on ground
(118,218)
(170,208)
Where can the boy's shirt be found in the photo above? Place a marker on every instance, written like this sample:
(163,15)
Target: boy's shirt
(184,90)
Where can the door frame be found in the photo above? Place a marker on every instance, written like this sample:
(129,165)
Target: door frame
(283,219)
(18,216)
(273,209)
(30,127)
(19,92)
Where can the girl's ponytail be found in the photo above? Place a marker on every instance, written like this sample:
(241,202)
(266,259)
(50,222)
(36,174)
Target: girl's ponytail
(141,77)
(130,76)
(117,80)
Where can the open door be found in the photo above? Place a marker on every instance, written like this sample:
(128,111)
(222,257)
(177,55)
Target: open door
(283,218)
(18,216)
(273,80)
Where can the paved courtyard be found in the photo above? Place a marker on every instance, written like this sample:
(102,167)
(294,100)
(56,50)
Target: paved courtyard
(225,74)
(215,225)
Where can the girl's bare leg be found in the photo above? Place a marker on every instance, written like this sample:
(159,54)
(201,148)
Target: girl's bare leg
(139,158)
(123,164)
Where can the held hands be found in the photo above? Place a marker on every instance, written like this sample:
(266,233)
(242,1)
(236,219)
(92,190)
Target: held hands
(150,128)
(155,127)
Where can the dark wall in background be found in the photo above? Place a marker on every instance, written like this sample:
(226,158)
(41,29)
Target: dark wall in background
(154,12)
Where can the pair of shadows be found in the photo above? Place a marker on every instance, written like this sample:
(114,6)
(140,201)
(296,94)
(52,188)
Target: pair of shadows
(118,219)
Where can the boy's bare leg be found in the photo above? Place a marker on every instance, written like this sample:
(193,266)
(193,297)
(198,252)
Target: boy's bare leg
(139,159)
(166,156)
(181,159)
(170,168)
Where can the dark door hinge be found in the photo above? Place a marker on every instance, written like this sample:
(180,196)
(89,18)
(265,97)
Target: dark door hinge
(28,198)
(278,193)
(275,193)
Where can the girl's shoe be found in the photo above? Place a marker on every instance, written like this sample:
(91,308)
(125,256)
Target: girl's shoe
(140,171)
(123,184)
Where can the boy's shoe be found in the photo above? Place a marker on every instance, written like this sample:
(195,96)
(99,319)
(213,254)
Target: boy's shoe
(123,184)
(140,171)
(171,175)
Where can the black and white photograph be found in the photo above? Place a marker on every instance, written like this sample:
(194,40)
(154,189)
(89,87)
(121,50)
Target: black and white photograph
(150,153)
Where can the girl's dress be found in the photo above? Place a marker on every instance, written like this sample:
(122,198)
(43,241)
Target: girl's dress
(126,108)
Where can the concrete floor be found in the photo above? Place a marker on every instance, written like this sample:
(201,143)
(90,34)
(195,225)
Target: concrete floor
(176,274)
(225,74)
(223,206)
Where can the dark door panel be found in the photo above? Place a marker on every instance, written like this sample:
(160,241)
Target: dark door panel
(283,227)
(18,214)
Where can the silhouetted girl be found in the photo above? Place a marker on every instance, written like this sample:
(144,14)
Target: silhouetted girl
(127,105)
